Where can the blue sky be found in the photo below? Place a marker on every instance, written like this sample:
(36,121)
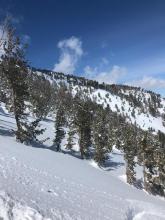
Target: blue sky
(116,41)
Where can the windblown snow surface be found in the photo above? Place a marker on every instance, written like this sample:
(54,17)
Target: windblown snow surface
(39,184)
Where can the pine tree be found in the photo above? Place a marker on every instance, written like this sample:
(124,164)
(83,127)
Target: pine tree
(60,121)
(159,178)
(159,161)
(147,151)
(59,130)
(33,130)
(70,117)
(14,75)
(70,139)
(129,154)
(41,95)
(82,121)
(101,135)
(14,69)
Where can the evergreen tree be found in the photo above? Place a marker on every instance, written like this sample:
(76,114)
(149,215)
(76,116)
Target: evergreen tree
(33,130)
(70,139)
(14,75)
(60,121)
(147,151)
(129,154)
(59,130)
(71,115)
(14,69)
(82,121)
(41,95)
(159,179)
(101,135)
(159,161)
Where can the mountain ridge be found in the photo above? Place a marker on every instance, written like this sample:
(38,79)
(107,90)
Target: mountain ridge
(141,106)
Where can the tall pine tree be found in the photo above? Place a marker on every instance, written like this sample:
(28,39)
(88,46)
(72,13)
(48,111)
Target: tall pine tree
(14,69)
(82,121)
(129,153)
(101,135)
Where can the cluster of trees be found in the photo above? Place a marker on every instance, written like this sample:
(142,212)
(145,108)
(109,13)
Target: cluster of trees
(98,129)
(143,148)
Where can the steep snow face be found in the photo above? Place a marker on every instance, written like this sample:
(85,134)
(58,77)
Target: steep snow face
(36,183)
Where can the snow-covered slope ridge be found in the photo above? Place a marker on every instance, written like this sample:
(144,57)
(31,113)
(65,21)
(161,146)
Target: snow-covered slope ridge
(36,183)
(139,106)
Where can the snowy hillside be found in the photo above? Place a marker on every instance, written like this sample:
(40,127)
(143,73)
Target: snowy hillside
(124,107)
(37,183)
(139,106)
(72,148)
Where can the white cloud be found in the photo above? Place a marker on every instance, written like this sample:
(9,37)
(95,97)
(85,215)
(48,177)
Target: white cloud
(70,53)
(109,77)
(148,82)
(90,72)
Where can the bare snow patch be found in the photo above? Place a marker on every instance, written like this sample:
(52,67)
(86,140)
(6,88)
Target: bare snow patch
(123,178)
(12,210)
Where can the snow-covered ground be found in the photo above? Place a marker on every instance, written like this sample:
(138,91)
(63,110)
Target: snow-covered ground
(36,183)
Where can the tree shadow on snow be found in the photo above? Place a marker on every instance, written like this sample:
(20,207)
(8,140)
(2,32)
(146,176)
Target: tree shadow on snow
(4,121)
(38,144)
(6,132)
(117,153)
(2,112)
(48,120)
(139,184)
(112,165)
(72,153)
(6,114)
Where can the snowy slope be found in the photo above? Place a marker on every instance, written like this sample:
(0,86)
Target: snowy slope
(120,102)
(143,120)
(11,209)
(36,183)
